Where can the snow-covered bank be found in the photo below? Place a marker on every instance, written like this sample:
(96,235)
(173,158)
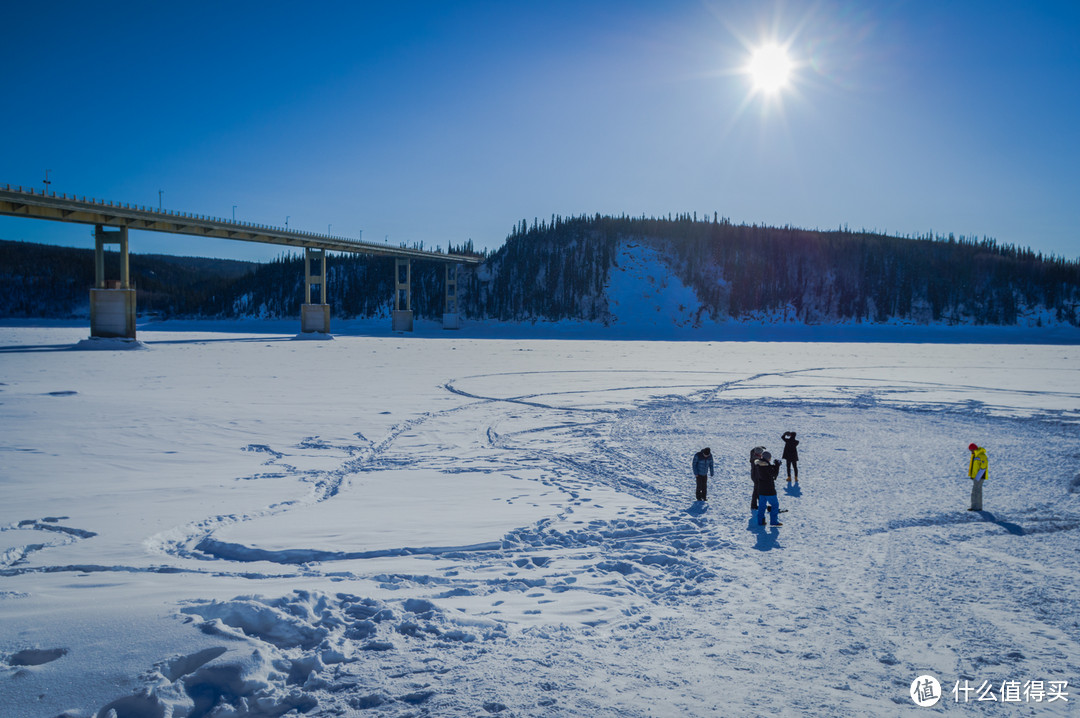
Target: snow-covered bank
(760,331)
(746,331)
(234,523)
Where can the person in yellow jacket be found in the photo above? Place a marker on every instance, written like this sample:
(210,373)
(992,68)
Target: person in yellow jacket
(978,472)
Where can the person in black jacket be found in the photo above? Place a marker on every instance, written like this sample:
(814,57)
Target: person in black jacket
(703,468)
(766,471)
(791,454)
(755,454)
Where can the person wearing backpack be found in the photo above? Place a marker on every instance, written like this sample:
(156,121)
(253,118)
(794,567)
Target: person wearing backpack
(766,472)
(755,454)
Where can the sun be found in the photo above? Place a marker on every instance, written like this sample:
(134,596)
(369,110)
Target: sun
(769,69)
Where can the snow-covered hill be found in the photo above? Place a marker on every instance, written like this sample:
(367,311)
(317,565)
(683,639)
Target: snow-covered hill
(717,272)
(644,294)
(240,524)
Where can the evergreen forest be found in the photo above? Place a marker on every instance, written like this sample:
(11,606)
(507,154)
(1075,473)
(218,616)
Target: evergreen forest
(559,269)
(810,275)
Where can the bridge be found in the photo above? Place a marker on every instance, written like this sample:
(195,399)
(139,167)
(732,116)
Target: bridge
(112,302)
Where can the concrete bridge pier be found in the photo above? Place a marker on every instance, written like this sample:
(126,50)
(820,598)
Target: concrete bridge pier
(451,319)
(403,314)
(315,317)
(112,302)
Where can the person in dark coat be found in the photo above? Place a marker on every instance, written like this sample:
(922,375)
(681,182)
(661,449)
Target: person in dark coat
(767,471)
(755,454)
(791,454)
(703,468)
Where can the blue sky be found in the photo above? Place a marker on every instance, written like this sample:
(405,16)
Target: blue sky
(439,122)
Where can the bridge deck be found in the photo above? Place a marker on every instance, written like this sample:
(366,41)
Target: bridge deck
(41,205)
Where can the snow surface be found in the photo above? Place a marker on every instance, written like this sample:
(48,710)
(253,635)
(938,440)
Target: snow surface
(229,522)
(644,294)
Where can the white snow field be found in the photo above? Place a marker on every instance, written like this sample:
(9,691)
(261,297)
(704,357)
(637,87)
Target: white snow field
(235,523)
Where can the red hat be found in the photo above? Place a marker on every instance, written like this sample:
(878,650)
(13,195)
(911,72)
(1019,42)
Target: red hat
(972,447)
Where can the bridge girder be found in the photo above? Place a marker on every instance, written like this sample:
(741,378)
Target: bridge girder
(35,205)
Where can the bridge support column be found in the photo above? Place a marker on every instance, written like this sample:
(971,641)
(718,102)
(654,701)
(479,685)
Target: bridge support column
(112,302)
(403,314)
(451,319)
(315,317)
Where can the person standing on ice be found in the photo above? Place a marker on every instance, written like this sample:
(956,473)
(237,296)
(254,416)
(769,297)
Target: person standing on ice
(791,454)
(703,469)
(767,471)
(978,472)
(755,454)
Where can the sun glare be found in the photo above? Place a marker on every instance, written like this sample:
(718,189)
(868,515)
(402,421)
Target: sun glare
(769,69)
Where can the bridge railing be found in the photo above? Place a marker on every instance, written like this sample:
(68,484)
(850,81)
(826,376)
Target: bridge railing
(346,243)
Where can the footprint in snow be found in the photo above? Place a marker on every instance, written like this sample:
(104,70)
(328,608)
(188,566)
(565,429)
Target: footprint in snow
(36,656)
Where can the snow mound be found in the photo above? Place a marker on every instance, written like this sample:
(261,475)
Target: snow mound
(295,653)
